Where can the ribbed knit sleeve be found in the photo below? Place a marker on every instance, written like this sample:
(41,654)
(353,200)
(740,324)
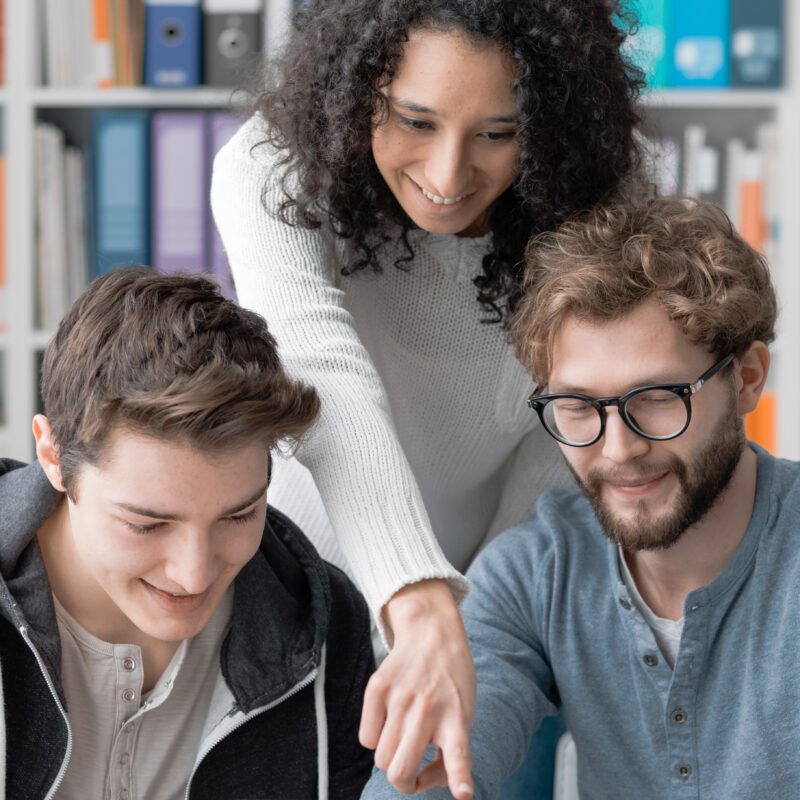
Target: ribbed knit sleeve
(287,275)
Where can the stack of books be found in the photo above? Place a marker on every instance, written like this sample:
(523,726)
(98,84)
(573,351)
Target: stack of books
(709,43)
(160,43)
(137,195)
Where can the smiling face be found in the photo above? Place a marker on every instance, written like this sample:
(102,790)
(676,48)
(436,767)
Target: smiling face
(157,533)
(448,148)
(646,494)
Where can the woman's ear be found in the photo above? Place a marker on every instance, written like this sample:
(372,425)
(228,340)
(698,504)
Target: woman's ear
(752,368)
(47,452)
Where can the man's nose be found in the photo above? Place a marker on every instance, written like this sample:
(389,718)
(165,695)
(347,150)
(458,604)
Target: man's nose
(620,443)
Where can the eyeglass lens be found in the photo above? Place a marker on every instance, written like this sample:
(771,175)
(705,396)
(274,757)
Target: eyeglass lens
(654,412)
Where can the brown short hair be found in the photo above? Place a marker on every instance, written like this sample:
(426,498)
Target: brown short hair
(683,252)
(167,356)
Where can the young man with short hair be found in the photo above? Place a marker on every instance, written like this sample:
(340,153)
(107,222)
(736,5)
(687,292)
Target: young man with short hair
(162,633)
(658,608)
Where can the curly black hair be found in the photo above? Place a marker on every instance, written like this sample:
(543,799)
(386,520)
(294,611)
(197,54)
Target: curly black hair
(575,91)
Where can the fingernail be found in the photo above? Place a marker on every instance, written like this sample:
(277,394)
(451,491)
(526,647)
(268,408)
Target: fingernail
(464,787)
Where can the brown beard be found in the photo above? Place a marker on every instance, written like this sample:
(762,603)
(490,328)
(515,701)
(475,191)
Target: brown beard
(701,484)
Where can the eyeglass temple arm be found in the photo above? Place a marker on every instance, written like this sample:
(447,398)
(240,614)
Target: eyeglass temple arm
(708,375)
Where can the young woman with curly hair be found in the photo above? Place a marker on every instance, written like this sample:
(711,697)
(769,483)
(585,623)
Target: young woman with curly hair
(375,210)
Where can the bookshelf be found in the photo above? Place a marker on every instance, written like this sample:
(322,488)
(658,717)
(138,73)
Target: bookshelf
(24,100)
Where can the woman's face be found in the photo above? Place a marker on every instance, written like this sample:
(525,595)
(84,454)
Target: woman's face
(448,148)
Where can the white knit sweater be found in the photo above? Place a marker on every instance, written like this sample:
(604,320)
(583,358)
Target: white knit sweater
(424,426)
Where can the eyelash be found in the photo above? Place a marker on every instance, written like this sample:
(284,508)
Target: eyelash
(143,530)
(421,126)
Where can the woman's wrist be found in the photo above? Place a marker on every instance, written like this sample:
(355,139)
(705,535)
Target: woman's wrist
(417,602)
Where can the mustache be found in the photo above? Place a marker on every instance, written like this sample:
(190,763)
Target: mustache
(598,475)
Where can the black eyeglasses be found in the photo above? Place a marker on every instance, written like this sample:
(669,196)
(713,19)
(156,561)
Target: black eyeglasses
(658,412)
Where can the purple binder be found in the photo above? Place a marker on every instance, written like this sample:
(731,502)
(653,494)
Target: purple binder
(222,126)
(179,191)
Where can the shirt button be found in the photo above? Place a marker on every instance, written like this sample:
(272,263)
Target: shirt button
(650,660)
(128,695)
(679,716)
(684,770)
(129,664)
(123,794)
(124,759)
(625,603)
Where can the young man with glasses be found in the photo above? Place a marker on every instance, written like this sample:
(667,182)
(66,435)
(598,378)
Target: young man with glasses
(658,608)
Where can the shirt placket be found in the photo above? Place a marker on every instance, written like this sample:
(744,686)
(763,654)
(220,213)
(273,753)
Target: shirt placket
(681,717)
(130,679)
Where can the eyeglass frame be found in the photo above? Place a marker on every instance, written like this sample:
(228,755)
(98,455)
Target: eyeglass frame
(682,390)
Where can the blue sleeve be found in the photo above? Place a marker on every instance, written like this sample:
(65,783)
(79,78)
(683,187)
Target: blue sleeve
(504,616)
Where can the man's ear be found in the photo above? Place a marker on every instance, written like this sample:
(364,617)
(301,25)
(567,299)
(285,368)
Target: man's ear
(47,452)
(751,373)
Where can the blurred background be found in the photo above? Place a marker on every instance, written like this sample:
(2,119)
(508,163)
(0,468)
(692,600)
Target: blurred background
(111,112)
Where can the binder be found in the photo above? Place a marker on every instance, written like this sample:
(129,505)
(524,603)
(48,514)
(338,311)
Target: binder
(232,34)
(102,47)
(756,43)
(3,310)
(648,48)
(700,43)
(173,30)
(121,188)
(222,125)
(180,182)
(51,234)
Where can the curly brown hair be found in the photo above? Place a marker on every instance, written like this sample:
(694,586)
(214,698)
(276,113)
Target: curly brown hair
(165,356)
(601,264)
(575,91)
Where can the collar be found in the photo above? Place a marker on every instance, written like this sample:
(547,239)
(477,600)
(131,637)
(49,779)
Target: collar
(281,603)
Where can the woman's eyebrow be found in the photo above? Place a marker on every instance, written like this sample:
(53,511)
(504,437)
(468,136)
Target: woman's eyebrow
(416,108)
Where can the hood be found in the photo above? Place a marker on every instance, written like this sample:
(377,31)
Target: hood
(281,604)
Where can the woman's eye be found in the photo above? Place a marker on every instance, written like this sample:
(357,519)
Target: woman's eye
(498,136)
(416,124)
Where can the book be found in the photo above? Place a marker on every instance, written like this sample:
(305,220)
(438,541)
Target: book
(648,47)
(51,250)
(700,43)
(222,125)
(180,187)
(757,43)
(121,188)
(172,43)
(232,38)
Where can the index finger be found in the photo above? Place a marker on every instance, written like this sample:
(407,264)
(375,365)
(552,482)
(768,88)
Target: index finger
(458,762)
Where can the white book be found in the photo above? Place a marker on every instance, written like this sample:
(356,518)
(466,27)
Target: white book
(82,44)
(734,156)
(52,262)
(767,143)
(78,269)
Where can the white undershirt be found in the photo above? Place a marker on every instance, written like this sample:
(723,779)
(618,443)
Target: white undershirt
(126,745)
(667,631)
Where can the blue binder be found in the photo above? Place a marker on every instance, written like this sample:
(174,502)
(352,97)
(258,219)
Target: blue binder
(757,43)
(648,48)
(700,44)
(121,196)
(173,43)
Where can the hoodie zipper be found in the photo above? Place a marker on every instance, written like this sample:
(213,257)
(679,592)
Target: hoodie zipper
(307,681)
(60,777)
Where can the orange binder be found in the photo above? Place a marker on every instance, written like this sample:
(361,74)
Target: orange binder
(104,49)
(760,425)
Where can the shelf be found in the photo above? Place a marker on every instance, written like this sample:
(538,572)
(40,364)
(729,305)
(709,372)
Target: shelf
(203,97)
(713,98)
(40,339)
